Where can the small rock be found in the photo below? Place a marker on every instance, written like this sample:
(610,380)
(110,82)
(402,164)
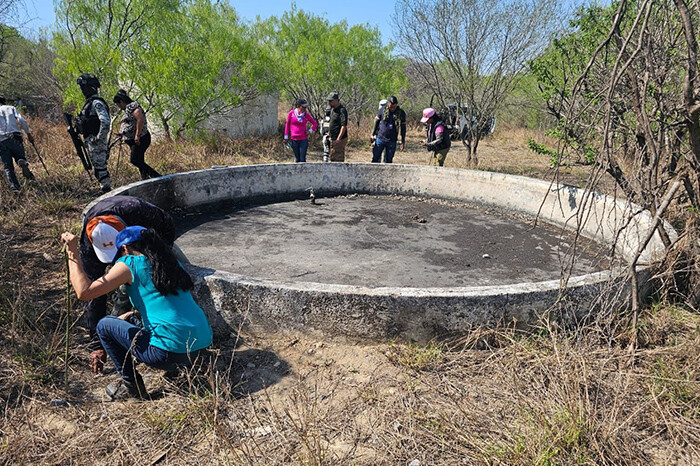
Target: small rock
(58,403)
(250,365)
(418,219)
(415,462)
(261,431)
(356,315)
(397,426)
(319,344)
(47,257)
(486,256)
(277,364)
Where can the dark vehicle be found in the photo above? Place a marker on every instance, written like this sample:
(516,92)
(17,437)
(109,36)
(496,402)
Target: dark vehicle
(460,122)
(460,119)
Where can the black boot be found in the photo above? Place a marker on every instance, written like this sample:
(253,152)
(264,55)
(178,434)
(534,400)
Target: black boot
(122,390)
(24,165)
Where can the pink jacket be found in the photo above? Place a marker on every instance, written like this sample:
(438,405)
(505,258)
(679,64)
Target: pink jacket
(295,128)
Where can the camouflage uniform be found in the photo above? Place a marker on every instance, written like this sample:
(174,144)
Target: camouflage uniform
(97,145)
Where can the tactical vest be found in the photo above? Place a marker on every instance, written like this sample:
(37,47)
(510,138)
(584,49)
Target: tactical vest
(445,143)
(88,123)
(390,124)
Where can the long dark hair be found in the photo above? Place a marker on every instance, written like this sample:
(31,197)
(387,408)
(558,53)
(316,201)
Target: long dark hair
(167,274)
(122,96)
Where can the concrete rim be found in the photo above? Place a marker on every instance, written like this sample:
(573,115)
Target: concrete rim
(601,217)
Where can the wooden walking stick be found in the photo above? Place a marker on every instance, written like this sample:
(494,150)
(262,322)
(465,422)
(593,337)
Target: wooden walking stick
(41,159)
(119,156)
(68,306)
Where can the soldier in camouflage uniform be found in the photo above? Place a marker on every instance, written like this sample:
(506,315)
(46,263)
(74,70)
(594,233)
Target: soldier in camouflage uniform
(94,124)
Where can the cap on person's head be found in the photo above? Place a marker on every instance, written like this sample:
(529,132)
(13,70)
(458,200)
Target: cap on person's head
(301,103)
(333,96)
(120,96)
(129,235)
(382,103)
(102,232)
(392,100)
(427,113)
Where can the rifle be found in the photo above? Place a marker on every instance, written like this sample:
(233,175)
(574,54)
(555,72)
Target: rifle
(39,155)
(78,143)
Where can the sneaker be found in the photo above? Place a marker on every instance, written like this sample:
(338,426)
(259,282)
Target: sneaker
(122,390)
(106,188)
(24,165)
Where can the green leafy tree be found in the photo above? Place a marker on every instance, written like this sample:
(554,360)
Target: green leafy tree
(314,57)
(205,64)
(186,60)
(25,71)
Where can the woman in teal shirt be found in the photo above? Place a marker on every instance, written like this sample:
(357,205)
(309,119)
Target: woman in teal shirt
(174,329)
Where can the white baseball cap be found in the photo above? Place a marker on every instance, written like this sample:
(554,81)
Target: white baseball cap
(102,233)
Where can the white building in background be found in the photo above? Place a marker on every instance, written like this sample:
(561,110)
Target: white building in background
(253,118)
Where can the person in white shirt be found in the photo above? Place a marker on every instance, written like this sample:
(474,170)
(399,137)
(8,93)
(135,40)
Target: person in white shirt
(11,146)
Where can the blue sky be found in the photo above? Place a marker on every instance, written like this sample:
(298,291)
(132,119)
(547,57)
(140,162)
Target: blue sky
(375,12)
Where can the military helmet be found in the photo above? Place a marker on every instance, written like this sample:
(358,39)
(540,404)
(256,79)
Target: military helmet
(88,80)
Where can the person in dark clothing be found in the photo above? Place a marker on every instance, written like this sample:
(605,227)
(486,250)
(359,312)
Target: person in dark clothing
(134,129)
(100,226)
(388,124)
(11,144)
(94,124)
(338,128)
(438,138)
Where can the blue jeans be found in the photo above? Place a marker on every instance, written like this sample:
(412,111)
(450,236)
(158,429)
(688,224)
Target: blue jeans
(299,148)
(119,338)
(380,145)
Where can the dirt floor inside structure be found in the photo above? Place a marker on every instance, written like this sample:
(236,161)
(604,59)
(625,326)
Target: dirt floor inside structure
(380,241)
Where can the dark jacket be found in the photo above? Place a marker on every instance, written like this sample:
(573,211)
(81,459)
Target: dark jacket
(133,211)
(388,125)
(437,141)
(339,117)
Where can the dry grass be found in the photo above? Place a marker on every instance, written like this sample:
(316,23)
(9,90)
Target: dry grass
(493,397)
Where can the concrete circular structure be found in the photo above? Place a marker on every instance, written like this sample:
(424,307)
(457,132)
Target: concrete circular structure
(269,302)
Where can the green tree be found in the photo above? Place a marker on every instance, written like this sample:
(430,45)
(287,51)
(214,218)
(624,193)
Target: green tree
(186,60)
(25,70)
(314,57)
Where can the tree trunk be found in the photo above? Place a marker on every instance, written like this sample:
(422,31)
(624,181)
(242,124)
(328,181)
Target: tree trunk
(474,147)
(166,128)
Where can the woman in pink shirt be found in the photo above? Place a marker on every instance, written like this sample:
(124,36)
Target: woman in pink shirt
(295,130)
